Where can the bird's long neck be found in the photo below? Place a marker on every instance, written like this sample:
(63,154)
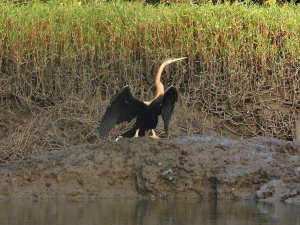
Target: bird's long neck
(159,86)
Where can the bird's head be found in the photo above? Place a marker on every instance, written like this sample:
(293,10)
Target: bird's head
(171,60)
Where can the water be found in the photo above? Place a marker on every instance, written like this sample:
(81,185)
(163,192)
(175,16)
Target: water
(144,212)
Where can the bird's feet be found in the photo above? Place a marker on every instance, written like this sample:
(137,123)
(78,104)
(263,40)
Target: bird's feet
(154,136)
(136,133)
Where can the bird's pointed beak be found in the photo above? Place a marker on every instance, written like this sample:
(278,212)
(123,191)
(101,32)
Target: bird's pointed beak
(178,59)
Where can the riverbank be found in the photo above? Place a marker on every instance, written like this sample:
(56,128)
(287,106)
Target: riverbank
(262,169)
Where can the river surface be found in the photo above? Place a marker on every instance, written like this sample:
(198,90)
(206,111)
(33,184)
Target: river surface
(144,212)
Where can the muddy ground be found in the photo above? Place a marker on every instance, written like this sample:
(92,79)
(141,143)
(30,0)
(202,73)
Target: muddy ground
(263,169)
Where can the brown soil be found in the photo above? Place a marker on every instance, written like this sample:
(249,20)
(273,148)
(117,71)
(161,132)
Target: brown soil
(264,169)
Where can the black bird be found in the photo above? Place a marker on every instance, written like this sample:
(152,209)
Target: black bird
(124,107)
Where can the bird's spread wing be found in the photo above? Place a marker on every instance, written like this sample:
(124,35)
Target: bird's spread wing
(169,99)
(123,107)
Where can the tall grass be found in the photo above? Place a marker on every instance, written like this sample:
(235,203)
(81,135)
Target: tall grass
(243,61)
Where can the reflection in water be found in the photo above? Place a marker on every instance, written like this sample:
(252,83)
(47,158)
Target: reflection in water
(145,212)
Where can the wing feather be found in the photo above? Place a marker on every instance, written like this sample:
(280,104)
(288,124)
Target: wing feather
(123,107)
(168,103)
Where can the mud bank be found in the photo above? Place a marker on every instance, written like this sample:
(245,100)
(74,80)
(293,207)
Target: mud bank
(264,169)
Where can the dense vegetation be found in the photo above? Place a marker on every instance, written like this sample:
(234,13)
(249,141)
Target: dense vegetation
(60,61)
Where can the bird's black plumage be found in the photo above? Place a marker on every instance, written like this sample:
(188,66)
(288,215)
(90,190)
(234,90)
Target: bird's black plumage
(124,108)
(168,104)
